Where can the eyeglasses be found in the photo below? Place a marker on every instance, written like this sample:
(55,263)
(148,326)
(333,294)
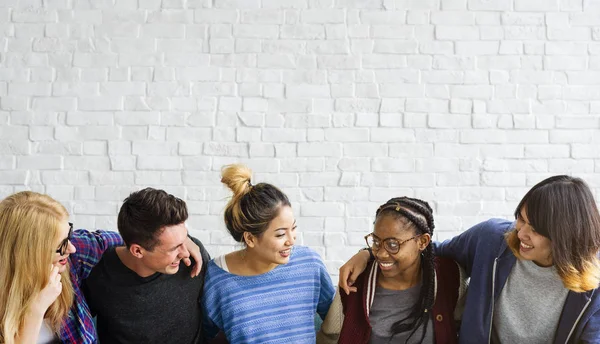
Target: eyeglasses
(64,245)
(391,245)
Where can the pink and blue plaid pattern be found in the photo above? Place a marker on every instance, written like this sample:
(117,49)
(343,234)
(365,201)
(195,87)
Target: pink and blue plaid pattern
(79,326)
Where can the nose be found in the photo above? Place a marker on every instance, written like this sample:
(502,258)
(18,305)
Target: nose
(71,248)
(381,253)
(183,252)
(291,239)
(523,232)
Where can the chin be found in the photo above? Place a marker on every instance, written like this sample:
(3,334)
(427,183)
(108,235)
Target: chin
(388,273)
(170,270)
(281,260)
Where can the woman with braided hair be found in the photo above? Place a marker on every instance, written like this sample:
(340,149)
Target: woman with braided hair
(532,280)
(405,295)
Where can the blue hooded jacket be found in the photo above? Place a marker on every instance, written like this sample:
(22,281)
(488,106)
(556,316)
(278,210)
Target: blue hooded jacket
(483,252)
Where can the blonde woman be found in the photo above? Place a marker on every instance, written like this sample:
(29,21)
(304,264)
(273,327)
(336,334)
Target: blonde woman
(43,263)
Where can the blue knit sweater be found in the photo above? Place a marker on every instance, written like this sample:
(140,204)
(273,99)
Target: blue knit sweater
(276,307)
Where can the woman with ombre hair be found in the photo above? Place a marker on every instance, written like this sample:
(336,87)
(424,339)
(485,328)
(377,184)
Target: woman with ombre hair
(533,280)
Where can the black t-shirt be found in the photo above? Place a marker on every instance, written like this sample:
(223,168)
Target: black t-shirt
(156,309)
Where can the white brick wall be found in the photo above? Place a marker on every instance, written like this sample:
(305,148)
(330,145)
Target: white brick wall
(342,103)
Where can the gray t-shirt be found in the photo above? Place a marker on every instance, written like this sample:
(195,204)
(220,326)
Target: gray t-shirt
(390,306)
(529,306)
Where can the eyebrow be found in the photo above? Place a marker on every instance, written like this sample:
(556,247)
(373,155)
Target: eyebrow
(175,247)
(523,218)
(284,228)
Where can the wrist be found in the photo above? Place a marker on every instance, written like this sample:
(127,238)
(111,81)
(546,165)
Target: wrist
(35,311)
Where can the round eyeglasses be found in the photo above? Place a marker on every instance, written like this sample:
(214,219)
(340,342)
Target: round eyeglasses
(391,245)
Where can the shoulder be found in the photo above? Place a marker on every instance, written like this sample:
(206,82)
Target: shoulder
(198,242)
(305,255)
(367,276)
(215,275)
(595,302)
(212,268)
(108,264)
(203,252)
(81,237)
(448,272)
(494,227)
(89,246)
(84,239)
(490,232)
(305,252)
(445,263)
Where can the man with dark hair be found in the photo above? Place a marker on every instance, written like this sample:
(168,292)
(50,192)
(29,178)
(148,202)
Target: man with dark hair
(143,292)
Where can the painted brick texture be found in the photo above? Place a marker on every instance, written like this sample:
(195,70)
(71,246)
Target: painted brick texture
(341,103)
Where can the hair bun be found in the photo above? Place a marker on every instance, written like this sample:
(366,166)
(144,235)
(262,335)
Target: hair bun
(237,177)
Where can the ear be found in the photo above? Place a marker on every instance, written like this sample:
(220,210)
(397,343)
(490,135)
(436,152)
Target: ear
(250,239)
(137,250)
(423,241)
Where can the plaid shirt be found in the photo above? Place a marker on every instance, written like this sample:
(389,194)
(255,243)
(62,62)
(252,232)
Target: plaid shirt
(79,326)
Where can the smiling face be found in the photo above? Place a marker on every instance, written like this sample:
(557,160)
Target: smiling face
(406,262)
(275,244)
(61,260)
(533,246)
(166,256)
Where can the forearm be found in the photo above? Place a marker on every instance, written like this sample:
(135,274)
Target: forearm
(367,255)
(31,327)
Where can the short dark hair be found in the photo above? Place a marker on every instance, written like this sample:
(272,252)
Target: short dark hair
(562,208)
(144,213)
(252,207)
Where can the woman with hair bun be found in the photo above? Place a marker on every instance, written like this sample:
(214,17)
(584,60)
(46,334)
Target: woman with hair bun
(270,290)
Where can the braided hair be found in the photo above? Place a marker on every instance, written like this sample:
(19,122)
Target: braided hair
(420,215)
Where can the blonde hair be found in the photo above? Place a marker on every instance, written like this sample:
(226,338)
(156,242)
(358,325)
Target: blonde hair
(579,280)
(252,207)
(29,231)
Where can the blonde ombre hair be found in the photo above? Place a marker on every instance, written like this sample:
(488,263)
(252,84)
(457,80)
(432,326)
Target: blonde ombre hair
(563,209)
(29,232)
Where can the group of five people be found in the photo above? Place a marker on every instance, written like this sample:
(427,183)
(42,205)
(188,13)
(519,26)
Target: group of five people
(531,280)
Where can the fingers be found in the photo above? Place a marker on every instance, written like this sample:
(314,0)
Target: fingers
(343,282)
(348,288)
(187,261)
(58,286)
(196,255)
(53,273)
(197,268)
(353,276)
(55,278)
